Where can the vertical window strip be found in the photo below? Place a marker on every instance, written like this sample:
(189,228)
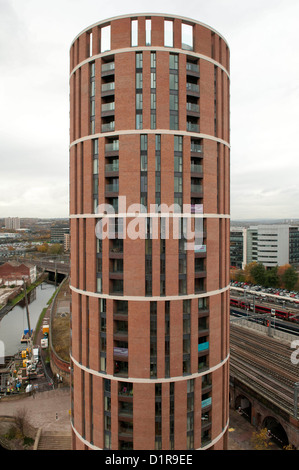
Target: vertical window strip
(102,333)
(107,413)
(158,416)
(153,340)
(186,337)
(95,144)
(167,338)
(190,414)
(99,272)
(171,415)
(162,256)
(215,100)
(91,407)
(158,170)
(139,87)
(173,91)
(92,97)
(153,90)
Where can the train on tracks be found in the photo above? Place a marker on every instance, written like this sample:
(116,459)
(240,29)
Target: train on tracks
(275,311)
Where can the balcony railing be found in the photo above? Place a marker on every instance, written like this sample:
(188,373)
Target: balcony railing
(203,346)
(192,127)
(196,188)
(108,127)
(206,402)
(196,168)
(112,167)
(112,147)
(193,107)
(112,188)
(108,86)
(192,67)
(108,107)
(108,67)
(196,147)
(192,87)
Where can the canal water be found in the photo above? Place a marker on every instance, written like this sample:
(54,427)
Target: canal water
(14,322)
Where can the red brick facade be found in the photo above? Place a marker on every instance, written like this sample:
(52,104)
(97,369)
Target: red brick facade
(150,319)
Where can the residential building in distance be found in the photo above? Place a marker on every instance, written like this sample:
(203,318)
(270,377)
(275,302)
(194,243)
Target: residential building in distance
(149,126)
(12,223)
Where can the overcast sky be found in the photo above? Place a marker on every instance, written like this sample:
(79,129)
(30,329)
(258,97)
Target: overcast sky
(35,37)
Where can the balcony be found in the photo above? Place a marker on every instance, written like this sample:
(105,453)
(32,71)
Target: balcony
(125,391)
(203,347)
(196,148)
(196,170)
(192,127)
(121,367)
(192,89)
(111,190)
(108,69)
(108,89)
(111,169)
(120,335)
(196,190)
(112,147)
(108,109)
(110,86)
(108,127)
(206,402)
(191,67)
(193,108)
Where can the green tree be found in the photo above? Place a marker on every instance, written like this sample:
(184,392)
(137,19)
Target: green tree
(271,277)
(258,273)
(289,278)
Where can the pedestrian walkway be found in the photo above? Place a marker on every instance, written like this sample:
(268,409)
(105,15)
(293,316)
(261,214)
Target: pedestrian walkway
(240,432)
(47,410)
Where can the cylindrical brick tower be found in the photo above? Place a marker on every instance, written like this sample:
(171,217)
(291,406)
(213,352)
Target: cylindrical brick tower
(149,125)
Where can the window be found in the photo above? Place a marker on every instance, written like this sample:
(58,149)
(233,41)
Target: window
(134,33)
(106,38)
(168,33)
(187,37)
(148,27)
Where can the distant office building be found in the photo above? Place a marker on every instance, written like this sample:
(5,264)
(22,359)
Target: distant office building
(12,223)
(57,234)
(238,247)
(271,245)
(251,245)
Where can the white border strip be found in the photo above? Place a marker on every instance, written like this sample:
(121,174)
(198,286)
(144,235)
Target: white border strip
(93,447)
(149,131)
(149,48)
(150,381)
(149,214)
(147,298)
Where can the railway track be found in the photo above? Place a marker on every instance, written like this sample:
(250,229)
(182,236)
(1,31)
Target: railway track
(264,364)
